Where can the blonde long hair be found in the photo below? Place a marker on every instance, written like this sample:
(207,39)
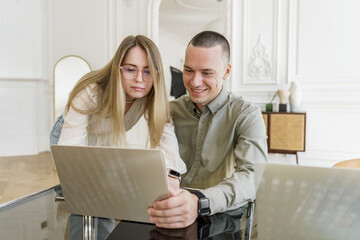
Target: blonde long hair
(110,93)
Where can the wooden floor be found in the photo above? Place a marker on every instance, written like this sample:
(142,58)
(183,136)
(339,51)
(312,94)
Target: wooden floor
(23,175)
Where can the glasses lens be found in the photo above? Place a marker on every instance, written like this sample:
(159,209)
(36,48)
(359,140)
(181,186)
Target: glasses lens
(129,72)
(146,74)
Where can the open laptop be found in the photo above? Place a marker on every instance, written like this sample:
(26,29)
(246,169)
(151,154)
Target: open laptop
(111,182)
(301,202)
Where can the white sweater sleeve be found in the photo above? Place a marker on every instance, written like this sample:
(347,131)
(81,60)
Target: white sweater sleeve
(74,131)
(169,144)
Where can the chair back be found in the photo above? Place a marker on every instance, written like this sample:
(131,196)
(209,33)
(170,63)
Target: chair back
(67,72)
(352,163)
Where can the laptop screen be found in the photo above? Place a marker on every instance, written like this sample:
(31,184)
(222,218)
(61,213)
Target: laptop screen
(300,202)
(111,182)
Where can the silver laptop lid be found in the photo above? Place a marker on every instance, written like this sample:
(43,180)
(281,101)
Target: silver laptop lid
(111,182)
(299,202)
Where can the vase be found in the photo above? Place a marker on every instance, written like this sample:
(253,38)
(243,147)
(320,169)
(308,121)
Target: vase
(283,95)
(295,97)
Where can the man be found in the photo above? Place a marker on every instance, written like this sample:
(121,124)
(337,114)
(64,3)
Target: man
(220,137)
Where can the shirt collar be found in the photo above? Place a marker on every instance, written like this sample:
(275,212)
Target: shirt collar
(218,102)
(214,105)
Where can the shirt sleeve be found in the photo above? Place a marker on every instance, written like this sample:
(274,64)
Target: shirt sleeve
(74,131)
(169,144)
(250,147)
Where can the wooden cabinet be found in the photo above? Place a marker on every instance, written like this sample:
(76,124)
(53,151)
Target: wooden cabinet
(286,132)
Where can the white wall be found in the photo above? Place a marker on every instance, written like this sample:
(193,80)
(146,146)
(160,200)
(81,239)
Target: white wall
(37,33)
(316,44)
(23,76)
(78,30)
(312,42)
(23,39)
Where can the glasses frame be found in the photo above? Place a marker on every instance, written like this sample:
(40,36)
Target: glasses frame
(137,72)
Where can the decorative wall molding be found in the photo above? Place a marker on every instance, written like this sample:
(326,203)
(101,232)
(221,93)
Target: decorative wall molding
(293,48)
(128,3)
(111,28)
(324,157)
(183,4)
(258,97)
(19,83)
(292,39)
(22,99)
(22,79)
(51,31)
(228,35)
(273,77)
(228,16)
(259,64)
(320,91)
(153,19)
(314,158)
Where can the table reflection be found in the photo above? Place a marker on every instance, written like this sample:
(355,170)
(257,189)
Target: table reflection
(229,225)
(87,227)
(39,216)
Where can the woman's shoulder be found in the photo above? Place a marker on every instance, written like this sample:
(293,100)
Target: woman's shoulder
(85,98)
(89,92)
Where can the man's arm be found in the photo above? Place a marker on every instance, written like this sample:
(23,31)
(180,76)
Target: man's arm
(180,210)
(250,147)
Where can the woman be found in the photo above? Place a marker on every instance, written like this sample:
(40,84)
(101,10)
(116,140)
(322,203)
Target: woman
(107,102)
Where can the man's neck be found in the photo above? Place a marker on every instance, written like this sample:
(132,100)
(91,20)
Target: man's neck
(201,106)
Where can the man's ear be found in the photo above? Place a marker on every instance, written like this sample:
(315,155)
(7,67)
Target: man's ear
(227,72)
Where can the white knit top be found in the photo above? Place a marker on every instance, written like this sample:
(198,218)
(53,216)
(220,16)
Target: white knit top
(79,129)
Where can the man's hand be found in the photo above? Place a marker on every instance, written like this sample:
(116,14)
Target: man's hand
(178,211)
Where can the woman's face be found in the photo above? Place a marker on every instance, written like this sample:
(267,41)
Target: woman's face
(135,72)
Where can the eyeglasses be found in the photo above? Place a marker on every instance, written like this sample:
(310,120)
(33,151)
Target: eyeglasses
(131,72)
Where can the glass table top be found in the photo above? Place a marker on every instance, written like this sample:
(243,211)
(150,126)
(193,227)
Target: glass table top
(288,207)
(40,216)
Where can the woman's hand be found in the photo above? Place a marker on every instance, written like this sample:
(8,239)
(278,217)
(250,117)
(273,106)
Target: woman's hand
(174,184)
(173,180)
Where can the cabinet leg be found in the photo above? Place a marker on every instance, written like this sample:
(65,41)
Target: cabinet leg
(297,159)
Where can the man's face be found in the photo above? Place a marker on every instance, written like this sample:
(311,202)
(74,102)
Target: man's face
(204,73)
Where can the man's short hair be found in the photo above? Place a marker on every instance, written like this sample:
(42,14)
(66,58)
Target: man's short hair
(208,39)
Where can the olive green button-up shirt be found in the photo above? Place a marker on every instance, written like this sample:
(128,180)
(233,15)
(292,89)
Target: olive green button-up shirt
(220,146)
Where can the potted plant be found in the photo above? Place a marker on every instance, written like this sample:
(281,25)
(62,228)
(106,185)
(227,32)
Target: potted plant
(269,106)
